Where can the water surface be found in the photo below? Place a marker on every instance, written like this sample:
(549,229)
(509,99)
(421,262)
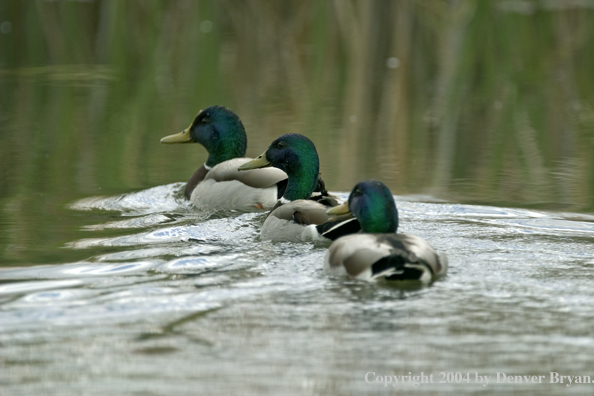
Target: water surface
(185,302)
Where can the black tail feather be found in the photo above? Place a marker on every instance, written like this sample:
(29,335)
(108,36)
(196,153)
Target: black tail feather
(398,263)
(337,228)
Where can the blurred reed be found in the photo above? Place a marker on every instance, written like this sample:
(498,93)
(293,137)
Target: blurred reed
(476,101)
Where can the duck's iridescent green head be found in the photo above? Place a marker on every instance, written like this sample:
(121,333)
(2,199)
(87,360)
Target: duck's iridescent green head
(297,156)
(372,203)
(219,130)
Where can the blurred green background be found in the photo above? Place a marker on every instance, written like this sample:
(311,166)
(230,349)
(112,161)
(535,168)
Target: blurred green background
(485,101)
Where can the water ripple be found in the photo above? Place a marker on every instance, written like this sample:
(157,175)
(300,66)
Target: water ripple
(194,249)
(192,264)
(137,222)
(519,291)
(226,231)
(76,270)
(30,286)
(153,200)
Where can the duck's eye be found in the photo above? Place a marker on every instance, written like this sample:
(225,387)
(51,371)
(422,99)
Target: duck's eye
(280,144)
(205,120)
(357,192)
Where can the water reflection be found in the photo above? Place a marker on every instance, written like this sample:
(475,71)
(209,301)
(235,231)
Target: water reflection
(441,103)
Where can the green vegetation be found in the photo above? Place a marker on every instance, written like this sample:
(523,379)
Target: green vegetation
(474,101)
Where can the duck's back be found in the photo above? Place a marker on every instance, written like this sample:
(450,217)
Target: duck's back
(371,256)
(294,222)
(224,187)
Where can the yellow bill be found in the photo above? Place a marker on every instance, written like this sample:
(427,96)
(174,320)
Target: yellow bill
(339,210)
(258,162)
(182,137)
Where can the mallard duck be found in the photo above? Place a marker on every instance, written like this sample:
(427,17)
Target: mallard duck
(297,217)
(218,184)
(378,252)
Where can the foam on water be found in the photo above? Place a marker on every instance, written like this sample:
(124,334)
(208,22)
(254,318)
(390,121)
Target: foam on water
(153,200)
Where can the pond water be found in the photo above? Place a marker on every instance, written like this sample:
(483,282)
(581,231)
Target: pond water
(184,302)
(478,115)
